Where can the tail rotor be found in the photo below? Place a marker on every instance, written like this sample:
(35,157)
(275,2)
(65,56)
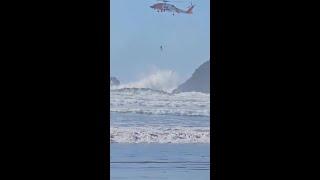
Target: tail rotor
(191,5)
(189,11)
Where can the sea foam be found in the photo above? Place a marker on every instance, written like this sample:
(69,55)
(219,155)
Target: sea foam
(148,101)
(175,135)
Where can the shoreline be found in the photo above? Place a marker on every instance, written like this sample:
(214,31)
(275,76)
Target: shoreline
(160,161)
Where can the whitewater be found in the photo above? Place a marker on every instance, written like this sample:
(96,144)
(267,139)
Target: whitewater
(147,101)
(152,114)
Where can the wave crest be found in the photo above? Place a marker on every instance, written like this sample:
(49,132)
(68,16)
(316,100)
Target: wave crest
(163,80)
(177,135)
(147,101)
(138,90)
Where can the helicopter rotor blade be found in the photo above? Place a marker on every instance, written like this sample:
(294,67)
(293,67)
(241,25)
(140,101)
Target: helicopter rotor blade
(165,1)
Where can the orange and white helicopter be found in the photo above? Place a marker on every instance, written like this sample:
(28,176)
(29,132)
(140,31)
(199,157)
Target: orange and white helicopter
(165,7)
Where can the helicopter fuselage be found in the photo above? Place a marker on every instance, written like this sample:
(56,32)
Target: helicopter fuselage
(162,7)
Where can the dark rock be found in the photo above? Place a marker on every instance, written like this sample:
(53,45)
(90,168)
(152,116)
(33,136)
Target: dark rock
(114,81)
(199,81)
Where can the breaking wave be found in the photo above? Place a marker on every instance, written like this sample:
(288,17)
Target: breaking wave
(177,135)
(149,101)
(163,80)
(147,111)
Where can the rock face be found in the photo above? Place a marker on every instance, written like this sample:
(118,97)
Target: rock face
(114,81)
(199,81)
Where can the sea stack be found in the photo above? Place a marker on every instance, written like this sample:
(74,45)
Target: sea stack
(198,82)
(114,81)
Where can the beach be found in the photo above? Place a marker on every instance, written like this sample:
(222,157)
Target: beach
(156,135)
(160,161)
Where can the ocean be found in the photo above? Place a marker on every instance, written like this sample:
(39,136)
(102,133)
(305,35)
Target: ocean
(158,135)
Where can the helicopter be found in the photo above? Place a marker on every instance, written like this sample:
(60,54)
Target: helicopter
(165,6)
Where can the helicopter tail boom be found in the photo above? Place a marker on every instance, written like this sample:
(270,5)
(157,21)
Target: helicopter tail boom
(189,11)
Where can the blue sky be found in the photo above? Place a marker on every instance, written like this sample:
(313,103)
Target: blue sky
(137,31)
